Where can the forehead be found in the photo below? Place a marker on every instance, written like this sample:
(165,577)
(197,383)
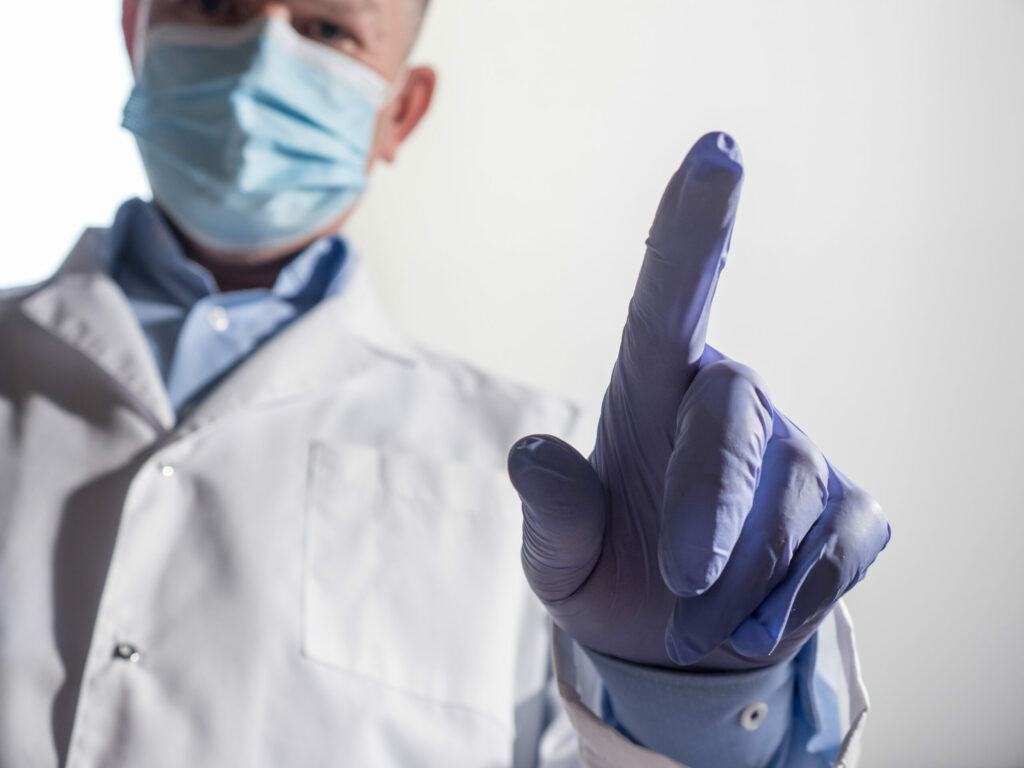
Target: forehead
(386,13)
(357,7)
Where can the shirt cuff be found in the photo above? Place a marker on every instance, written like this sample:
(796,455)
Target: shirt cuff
(701,719)
(829,710)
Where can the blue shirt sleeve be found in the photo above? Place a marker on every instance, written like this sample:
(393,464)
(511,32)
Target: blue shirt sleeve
(781,716)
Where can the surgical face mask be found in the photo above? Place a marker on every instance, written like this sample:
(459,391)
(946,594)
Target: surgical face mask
(253,137)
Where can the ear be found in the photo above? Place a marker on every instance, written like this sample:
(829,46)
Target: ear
(404,113)
(129,15)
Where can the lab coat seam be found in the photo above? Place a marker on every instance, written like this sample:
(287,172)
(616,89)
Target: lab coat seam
(451,706)
(488,483)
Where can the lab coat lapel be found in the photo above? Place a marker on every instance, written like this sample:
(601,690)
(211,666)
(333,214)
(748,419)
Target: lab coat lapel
(84,308)
(341,337)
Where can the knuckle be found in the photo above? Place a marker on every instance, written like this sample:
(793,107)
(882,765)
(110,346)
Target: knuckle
(865,507)
(730,370)
(860,529)
(805,467)
(875,518)
(737,381)
(802,458)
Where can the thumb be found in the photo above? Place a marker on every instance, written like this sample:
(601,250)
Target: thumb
(564,514)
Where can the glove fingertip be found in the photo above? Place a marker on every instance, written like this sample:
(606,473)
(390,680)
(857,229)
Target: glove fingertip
(753,639)
(707,182)
(539,447)
(540,463)
(718,147)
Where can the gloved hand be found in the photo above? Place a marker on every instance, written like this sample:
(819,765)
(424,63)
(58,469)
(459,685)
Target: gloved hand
(706,530)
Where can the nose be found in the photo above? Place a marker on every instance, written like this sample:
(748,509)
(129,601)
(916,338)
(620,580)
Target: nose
(277,10)
(265,9)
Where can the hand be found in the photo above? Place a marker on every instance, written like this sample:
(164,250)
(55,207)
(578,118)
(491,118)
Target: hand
(706,530)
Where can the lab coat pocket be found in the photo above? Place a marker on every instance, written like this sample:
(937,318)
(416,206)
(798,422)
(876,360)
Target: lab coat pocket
(412,575)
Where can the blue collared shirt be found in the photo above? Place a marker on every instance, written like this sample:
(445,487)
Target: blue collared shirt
(198,333)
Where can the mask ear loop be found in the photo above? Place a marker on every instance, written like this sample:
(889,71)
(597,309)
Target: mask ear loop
(395,88)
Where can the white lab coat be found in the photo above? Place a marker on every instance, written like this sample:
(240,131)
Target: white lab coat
(318,566)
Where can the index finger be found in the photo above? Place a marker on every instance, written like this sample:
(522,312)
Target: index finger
(666,327)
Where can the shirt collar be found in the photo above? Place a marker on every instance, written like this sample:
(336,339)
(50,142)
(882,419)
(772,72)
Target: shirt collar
(85,307)
(142,241)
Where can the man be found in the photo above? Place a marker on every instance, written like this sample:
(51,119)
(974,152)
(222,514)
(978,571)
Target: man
(246,523)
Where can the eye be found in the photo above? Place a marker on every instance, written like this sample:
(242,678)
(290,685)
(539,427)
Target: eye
(330,32)
(212,8)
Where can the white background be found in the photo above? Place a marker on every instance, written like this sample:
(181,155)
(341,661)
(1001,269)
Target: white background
(874,279)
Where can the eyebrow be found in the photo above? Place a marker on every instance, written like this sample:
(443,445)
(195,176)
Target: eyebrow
(359,6)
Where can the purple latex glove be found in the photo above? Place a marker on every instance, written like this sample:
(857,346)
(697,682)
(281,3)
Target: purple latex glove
(706,530)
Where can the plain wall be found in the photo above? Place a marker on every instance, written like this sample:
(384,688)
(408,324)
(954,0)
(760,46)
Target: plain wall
(874,281)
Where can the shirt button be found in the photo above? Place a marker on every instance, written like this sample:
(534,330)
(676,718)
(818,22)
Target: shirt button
(166,468)
(126,652)
(218,319)
(754,715)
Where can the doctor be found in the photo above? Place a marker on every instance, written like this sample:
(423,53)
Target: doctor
(246,523)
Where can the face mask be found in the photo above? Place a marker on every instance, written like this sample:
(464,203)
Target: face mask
(253,137)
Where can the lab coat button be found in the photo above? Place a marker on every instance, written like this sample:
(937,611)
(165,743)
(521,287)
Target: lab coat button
(218,319)
(126,652)
(166,468)
(754,715)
